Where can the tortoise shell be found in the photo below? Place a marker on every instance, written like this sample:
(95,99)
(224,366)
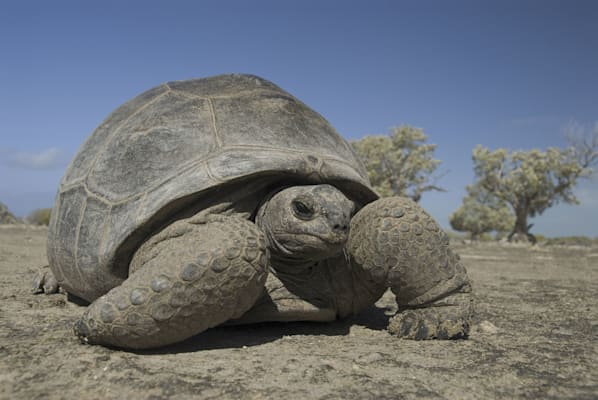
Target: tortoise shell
(174,146)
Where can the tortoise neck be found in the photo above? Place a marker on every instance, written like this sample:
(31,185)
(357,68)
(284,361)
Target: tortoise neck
(287,262)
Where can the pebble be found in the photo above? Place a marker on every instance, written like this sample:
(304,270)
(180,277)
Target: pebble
(487,327)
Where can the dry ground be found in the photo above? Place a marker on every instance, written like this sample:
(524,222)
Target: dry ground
(534,336)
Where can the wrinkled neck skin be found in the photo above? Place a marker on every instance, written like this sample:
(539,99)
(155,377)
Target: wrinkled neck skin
(286,262)
(294,277)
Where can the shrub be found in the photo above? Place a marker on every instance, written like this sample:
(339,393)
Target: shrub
(6,217)
(41,216)
(570,241)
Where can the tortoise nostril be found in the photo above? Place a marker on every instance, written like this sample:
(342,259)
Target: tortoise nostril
(340,227)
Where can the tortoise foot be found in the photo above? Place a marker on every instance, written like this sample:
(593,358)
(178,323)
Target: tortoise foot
(448,318)
(44,281)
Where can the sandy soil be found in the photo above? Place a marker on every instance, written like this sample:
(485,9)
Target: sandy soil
(535,336)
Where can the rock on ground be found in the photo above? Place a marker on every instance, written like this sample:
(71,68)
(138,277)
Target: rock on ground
(534,336)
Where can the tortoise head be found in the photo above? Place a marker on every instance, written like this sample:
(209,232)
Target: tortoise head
(304,224)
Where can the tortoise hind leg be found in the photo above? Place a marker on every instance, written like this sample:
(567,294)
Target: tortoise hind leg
(195,274)
(396,240)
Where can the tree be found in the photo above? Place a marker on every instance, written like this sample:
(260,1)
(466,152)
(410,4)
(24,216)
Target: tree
(41,216)
(584,147)
(6,217)
(400,163)
(481,212)
(533,181)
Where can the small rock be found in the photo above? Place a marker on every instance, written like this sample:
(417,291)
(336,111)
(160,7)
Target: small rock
(487,327)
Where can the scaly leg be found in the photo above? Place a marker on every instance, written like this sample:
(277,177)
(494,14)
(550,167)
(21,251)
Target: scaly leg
(398,242)
(195,274)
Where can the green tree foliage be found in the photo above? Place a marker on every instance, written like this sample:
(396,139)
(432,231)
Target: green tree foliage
(400,163)
(481,212)
(6,217)
(533,181)
(40,216)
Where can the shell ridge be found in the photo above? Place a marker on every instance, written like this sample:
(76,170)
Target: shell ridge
(77,236)
(210,173)
(214,125)
(240,93)
(105,232)
(195,163)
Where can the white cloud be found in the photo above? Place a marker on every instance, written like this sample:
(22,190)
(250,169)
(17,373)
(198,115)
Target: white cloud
(45,159)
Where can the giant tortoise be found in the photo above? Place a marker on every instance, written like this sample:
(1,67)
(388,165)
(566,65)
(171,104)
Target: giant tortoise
(227,200)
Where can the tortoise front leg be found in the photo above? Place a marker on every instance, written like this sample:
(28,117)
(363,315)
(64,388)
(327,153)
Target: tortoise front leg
(396,241)
(195,274)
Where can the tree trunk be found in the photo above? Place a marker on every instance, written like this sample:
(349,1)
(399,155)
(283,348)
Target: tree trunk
(520,232)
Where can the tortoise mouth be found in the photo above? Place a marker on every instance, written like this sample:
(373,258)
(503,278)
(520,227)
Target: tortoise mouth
(312,245)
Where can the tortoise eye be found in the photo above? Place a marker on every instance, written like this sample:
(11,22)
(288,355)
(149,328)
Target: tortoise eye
(302,210)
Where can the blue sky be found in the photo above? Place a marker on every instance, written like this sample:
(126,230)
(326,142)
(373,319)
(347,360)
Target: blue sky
(498,73)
